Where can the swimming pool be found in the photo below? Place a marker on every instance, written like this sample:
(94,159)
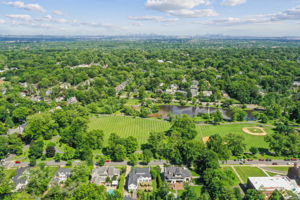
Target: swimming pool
(111,191)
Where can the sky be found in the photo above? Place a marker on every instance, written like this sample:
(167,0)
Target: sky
(162,17)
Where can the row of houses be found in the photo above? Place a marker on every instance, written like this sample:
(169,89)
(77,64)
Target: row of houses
(137,179)
(284,184)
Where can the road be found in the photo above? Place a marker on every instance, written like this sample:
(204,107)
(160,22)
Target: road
(260,163)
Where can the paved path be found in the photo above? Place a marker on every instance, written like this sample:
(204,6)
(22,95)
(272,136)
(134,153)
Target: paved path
(262,169)
(237,174)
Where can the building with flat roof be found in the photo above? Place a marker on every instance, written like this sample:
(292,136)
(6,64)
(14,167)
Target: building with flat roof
(268,185)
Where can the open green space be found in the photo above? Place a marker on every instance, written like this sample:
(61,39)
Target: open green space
(128,126)
(141,128)
(246,172)
(283,169)
(224,129)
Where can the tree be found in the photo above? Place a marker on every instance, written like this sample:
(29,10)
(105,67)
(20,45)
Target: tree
(276,195)
(40,125)
(235,144)
(217,117)
(131,144)
(36,149)
(50,150)
(101,160)
(147,156)
(80,174)
(252,194)
(89,191)
(216,144)
(254,150)
(5,185)
(94,139)
(133,159)
(207,159)
(20,114)
(39,180)
(119,153)
(184,126)
(142,93)
(188,194)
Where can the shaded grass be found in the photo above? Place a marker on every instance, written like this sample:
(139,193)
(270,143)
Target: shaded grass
(236,181)
(283,169)
(246,172)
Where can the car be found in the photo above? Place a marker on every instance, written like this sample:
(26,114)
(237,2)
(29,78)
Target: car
(289,163)
(107,161)
(18,162)
(268,159)
(294,159)
(274,163)
(261,159)
(287,159)
(249,159)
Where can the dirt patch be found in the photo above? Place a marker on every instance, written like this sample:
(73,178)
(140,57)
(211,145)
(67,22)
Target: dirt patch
(205,139)
(257,131)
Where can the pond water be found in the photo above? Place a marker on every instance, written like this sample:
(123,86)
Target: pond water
(194,111)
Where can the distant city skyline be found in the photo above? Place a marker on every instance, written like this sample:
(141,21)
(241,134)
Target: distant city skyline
(272,18)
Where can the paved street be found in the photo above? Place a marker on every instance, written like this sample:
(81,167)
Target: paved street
(260,163)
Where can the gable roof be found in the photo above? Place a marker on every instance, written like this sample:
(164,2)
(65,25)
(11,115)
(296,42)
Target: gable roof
(21,176)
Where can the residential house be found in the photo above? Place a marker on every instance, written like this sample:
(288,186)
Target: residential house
(177,174)
(21,179)
(294,173)
(72,100)
(19,130)
(61,175)
(138,176)
(100,175)
(267,185)
(173,89)
(207,93)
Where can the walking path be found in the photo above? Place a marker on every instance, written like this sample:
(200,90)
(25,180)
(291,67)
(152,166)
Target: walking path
(237,174)
(264,171)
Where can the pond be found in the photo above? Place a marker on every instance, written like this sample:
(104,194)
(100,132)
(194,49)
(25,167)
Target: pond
(194,111)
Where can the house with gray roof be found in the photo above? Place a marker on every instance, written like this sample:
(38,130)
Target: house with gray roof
(61,175)
(137,176)
(101,174)
(177,174)
(21,179)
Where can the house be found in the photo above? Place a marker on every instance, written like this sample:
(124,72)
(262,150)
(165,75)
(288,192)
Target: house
(207,93)
(294,173)
(138,176)
(61,175)
(177,174)
(101,174)
(72,100)
(267,185)
(19,130)
(21,179)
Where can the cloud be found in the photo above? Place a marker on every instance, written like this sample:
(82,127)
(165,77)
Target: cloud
(58,12)
(30,7)
(152,18)
(182,8)
(290,14)
(138,24)
(194,13)
(2,21)
(20,17)
(167,5)
(233,2)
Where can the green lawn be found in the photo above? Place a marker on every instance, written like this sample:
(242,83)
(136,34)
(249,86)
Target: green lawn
(141,128)
(246,172)
(283,169)
(250,140)
(128,126)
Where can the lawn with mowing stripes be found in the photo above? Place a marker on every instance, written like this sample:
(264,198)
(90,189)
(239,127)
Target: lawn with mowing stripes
(246,172)
(141,128)
(128,126)
(250,140)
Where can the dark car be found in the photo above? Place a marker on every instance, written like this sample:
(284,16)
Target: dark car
(274,163)
(268,159)
(261,159)
(287,159)
(249,159)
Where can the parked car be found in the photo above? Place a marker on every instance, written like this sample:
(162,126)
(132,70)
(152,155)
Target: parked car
(18,162)
(294,159)
(249,159)
(261,159)
(274,163)
(290,163)
(268,159)
(287,159)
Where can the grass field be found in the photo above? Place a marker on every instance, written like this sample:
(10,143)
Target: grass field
(283,169)
(128,126)
(255,130)
(246,172)
(141,128)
